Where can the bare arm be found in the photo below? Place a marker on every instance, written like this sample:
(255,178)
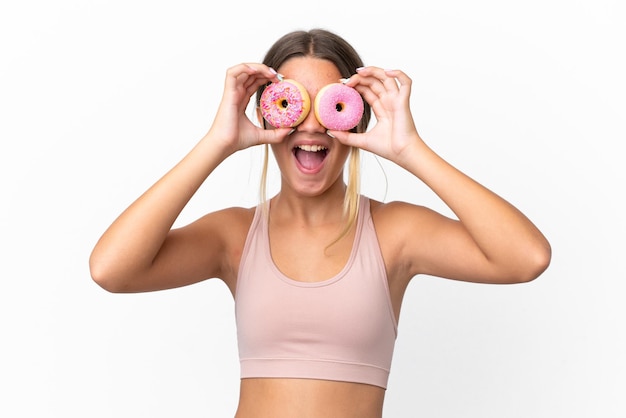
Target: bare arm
(139,251)
(491,241)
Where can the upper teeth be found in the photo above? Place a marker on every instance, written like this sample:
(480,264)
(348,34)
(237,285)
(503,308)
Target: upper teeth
(311,148)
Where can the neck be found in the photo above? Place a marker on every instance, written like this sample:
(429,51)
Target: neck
(324,208)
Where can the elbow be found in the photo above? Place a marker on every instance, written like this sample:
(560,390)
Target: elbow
(104,276)
(540,259)
(105,282)
(522,266)
(107,285)
(536,261)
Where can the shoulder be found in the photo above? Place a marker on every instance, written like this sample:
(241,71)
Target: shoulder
(223,222)
(405,233)
(219,238)
(233,216)
(393,222)
(230,226)
(402,221)
(397,214)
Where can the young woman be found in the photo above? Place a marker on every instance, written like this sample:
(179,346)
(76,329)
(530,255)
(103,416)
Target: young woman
(318,271)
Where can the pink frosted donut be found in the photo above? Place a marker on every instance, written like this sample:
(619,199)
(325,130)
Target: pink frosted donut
(285,104)
(338,107)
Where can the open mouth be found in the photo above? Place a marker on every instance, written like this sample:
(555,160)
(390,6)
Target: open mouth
(310,157)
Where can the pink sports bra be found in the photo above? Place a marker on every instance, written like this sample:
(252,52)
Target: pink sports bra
(340,329)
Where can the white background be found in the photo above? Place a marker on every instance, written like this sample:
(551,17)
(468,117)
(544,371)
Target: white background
(99,98)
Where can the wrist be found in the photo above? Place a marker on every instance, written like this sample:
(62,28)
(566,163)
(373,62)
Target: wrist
(413,155)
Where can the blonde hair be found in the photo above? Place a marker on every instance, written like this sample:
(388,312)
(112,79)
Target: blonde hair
(323,44)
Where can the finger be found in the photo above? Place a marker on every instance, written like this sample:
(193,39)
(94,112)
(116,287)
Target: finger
(274,136)
(350,139)
(252,85)
(386,77)
(368,94)
(374,99)
(404,82)
(372,83)
(242,73)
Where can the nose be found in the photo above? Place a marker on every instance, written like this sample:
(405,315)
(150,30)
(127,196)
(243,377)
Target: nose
(310,123)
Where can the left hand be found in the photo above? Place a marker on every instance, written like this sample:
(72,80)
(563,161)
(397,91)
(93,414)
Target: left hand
(388,93)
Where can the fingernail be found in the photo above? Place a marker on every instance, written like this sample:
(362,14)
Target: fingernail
(291,131)
(344,80)
(360,68)
(329,134)
(280,77)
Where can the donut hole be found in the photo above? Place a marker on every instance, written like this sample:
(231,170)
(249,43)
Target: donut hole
(339,107)
(282,103)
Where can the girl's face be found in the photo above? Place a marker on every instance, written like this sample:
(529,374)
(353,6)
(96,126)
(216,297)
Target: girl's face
(310,161)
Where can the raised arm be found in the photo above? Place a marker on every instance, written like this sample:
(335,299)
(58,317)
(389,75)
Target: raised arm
(140,251)
(491,241)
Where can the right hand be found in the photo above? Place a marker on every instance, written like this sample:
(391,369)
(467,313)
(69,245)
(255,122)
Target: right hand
(231,127)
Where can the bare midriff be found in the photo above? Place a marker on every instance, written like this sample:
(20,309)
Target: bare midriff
(308,398)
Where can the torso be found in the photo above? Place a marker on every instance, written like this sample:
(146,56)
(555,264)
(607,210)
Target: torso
(301,250)
(302,253)
(302,398)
